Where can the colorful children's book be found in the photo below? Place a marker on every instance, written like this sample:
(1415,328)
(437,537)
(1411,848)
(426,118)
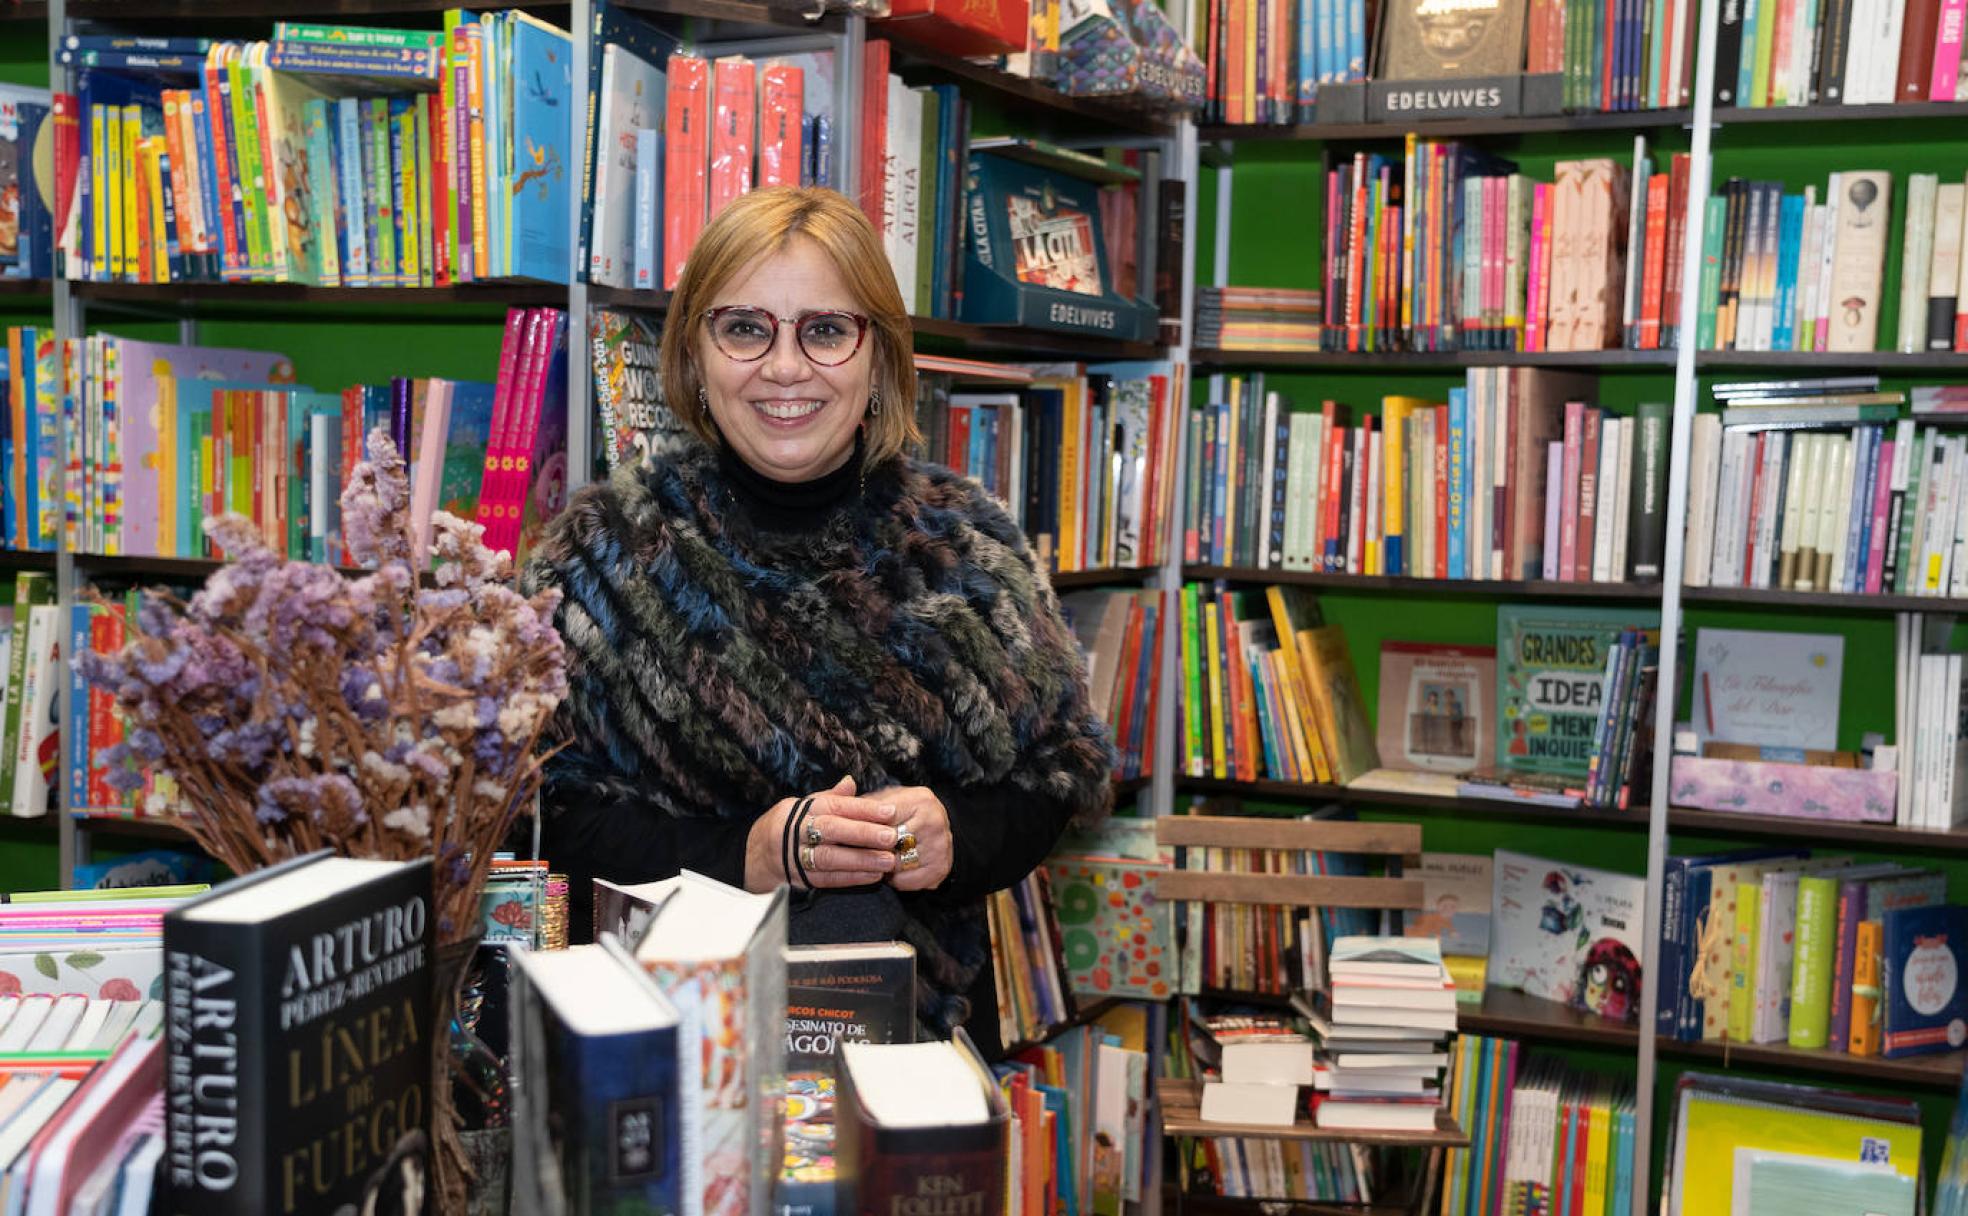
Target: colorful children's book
(1567,933)
(1921,982)
(1551,674)
(1437,707)
(1119,940)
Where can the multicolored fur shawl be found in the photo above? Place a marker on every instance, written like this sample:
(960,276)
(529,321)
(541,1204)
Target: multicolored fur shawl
(716,668)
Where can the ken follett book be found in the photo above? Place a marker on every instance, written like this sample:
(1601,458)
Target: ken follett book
(298,1027)
(1921,983)
(932,1166)
(1035,256)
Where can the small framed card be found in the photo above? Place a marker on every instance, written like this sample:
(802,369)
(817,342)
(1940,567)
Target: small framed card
(1769,689)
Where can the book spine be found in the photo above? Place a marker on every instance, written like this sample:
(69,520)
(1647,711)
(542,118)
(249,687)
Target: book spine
(1864,1037)
(212,1006)
(1811,976)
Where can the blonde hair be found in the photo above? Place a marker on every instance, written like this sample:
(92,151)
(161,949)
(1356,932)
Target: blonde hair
(763,223)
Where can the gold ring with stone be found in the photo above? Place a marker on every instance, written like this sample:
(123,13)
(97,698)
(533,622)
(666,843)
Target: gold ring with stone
(905,839)
(807,855)
(813,836)
(907,859)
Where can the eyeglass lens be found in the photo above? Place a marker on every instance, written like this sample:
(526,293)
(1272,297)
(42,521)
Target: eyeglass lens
(826,338)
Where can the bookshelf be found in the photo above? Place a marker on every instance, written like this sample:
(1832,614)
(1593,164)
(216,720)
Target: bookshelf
(1638,593)
(1181,1116)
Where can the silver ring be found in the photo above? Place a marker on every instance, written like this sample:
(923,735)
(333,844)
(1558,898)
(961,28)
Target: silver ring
(907,859)
(813,836)
(807,857)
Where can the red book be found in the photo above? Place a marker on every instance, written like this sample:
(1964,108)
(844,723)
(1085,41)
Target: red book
(956,446)
(1757,472)
(1334,538)
(1588,495)
(1677,233)
(1568,490)
(1163,623)
(874,127)
(497,441)
(1608,58)
(1653,262)
(959,27)
(1242,708)
(686,152)
(734,129)
(1917,40)
(783,90)
(961,1165)
(495,498)
(1356,250)
(517,471)
(231,263)
(68,162)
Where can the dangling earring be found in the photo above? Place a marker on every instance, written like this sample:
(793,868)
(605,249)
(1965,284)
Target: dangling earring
(703,399)
(874,404)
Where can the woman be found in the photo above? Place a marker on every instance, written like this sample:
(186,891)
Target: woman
(789,607)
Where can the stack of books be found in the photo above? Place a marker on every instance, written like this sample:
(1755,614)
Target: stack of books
(1120,634)
(1027,961)
(1389,1002)
(1259,318)
(1263,1065)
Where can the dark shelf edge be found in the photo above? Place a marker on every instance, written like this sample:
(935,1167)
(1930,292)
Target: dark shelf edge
(1083,1013)
(1210,356)
(192,295)
(118,825)
(909,58)
(628,297)
(1113,576)
(1882,834)
(1864,360)
(1891,112)
(1353,796)
(1630,120)
(1015,338)
(1639,593)
(27,559)
(1822,599)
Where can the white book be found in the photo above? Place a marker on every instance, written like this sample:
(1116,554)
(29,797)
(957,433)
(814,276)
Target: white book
(29,1121)
(1297,443)
(1383,1081)
(1420,1063)
(903,148)
(1251,1103)
(1375,500)
(1827,259)
(1834,513)
(32,1011)
(1814,457)
(1775,955)
(1885,61)
(1776,450)
(1920,485)
(632,99)
(1377,1116)
(1954,805)
(1554,476)
(37,707)
(1607,488)
(55,1029)
(1944,270)
(1792,527)
(1315,494)
(1957,549)
(114,1089)
(1506,406)
(1641,171)
(1623,486)
(1906,631)
(1705,451)
(1731,488)
(1356,530)
(1917,260)
(90,1024)
(1858,53)
(1941,527)
(1933,678)
(1281,1063)
(1810,257)
(1961,269)
(138,1171)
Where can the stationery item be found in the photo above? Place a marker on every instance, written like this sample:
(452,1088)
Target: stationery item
(1770,688)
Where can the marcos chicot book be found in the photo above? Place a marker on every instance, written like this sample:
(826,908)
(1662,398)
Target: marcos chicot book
(297,1018)
(597,1062)
(923,1128)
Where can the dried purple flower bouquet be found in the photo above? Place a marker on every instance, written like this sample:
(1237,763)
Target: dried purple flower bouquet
(289,708)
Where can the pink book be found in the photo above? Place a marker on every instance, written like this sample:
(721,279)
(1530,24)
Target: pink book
(1554,490)
(1947,51)
(1568,481)
(1539,268)
(430,464)
(1882,498)
(511,490)
(118,1092)
(525,457)
(510,345)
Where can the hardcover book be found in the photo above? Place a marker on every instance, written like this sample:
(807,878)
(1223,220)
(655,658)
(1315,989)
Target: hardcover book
(597,1062)
(718,954)
(1118,940)
(1436,708)
(298,1021)
(1922,995)
(923,1128)
(1456,889)
(1551,674)
(1776,689)
(628,388)
(1452,39)
(1568,933)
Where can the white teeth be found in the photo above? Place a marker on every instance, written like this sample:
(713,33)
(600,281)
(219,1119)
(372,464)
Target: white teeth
(787,410)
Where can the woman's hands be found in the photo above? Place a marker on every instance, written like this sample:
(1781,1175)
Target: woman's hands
(855,835)
(920,813)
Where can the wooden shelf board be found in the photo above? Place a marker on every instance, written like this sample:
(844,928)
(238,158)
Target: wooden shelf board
(1883,835)
(912,61)
(1517,1015)
(117,825)
(1293,890)
(140,566)
(1014,338)
(1182,1102)
(1641,593)
(1131,787)
(1263,832)
(26,287)
(1861,360)
(1447,128)
(1113,576)
(628,297)
(1837,601)
(396,300)
(1510,807)
(26,559)
(1209,356)
(1892,112)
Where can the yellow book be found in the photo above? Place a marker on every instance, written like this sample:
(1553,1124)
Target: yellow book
(1233,461)
(1716,1131)
(1213,662)
(167,457)
(129,135)
(1292,611)
(150,160)
(1291,748)
(1337,701)
(100,177)
(1470,974)
(1597,1142)
(1462,1101)
(1396,545)
(409,201)
(1742,971)
(1072,425)
(1863,1040)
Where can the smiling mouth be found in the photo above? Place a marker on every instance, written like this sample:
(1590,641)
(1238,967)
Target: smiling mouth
(787,411)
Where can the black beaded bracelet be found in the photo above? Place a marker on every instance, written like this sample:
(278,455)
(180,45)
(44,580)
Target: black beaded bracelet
(786,854)
(797,818)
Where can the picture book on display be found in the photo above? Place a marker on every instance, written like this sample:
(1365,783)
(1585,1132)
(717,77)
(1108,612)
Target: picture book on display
(1568,933)
(1551,668)
(257,975)
(1436,706)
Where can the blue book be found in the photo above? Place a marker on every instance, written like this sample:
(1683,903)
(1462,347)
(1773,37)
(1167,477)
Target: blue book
(1922,969)
(823,151)
(1220,493)
(1864,483)
(597,1061)
(808,149)
(1790,234)
(1306,89)
(610,24)
(1623,1159)
(1328,39)
(1458,482)
(541,190)
(649,144)
(1355,67)
(1746,64)
(80,615)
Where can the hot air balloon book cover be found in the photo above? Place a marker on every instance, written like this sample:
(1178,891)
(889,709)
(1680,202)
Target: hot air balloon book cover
(1118,940)
(1861,204)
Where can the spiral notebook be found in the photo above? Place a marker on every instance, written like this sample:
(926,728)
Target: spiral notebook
(1734,1139)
